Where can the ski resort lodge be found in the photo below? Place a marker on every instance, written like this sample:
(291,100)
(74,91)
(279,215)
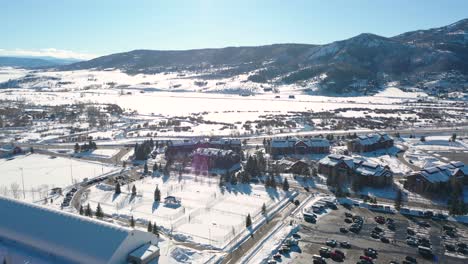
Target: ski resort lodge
(297,146)
(186,147)
(206,159)
(370,142)
(340,168)
(63,237)
(437,179)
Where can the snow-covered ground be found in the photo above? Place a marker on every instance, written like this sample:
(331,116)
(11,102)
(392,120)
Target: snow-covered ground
(41,173)
(395,92)
(207,215)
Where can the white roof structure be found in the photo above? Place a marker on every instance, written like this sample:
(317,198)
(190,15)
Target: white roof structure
(443,173)
(372,169)
(68,237)
(371,139)
(333,160)
(213,152)
(362,167)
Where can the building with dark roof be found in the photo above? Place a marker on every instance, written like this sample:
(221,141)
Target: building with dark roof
(207,159)
(437,179)
(341,169)
(298,146)
(370,142)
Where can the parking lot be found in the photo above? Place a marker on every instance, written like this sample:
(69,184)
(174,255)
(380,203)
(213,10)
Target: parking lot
(394,246)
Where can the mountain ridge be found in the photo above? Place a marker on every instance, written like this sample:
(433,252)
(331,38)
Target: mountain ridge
(368,59)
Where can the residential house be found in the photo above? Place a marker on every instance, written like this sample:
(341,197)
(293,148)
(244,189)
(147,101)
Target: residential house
(370,142)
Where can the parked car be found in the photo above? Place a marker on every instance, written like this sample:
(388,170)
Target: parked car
(384,240)
(336,257)
(331,243)
(339,252)
(411,259)
(343,230)
(379,219)
(324,252)
(450,247)
(378,229)
(412,242)
(366,258)
(318,259)
(345,244)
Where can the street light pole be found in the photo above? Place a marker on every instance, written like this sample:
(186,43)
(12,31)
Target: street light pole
(22,179)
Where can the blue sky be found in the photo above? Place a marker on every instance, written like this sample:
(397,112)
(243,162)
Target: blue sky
(89,28)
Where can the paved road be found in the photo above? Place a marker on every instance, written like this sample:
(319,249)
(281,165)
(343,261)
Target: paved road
(262,232)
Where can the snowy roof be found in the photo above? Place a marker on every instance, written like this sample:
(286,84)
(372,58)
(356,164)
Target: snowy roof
(68,236)
(370,139)
(145,252)
(289,143)
(442,173)
(367,168)
(333,160)
(183,142)
(213,152)
(282,143)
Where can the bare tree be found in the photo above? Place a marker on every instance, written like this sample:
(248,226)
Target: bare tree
(15,190)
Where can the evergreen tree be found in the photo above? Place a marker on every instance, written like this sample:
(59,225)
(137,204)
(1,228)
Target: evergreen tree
(81,210)
(285,185)
(157,195)
(99,213)
(454,137)
(272,181)
(423,139)
(134,191)
(150,227)
(132,222)
(155,229)
(399,200)
(145,169)
(248,221)
(77,148)
(88,211)
(117,188)
(155,167)
(264,209)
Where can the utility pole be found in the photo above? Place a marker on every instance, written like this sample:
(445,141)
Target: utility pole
(71,171)
(22,179)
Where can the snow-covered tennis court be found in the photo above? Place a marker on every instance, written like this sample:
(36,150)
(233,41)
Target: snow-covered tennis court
(45,172)
(207,215)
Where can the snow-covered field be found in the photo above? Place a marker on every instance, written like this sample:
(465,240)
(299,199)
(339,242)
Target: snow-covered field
(207,215)
(43,172)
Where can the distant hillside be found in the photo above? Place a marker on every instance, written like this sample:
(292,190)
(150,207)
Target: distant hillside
(359,64)
(36,62)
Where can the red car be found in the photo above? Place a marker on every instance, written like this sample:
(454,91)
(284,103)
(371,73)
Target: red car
(379,219)
(339,252)
(335,256)
(366,258)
